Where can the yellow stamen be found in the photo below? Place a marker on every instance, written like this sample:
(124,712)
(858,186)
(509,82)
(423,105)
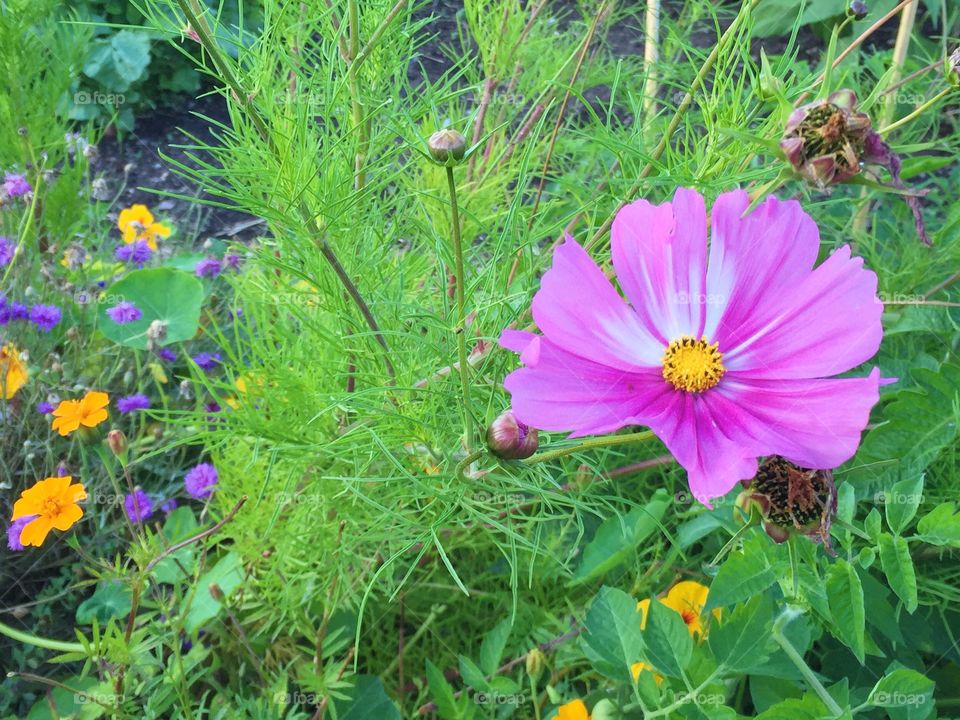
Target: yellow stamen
(692,365)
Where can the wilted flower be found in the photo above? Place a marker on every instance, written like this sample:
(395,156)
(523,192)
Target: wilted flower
(138,506)
(510,439)
(828,142)
(725,361)
(791,498)
(447,146)
(156,334)
(132,403)
(136,253)
(45,317)
(52,503)
(88,412)
(124,313)
(199,481)
(13,373)
(136,223)
(8,249)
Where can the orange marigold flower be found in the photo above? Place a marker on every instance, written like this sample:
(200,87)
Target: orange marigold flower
(688,599)
(13,373)
(89,411)
(136,223)
(575,710)
(53,504)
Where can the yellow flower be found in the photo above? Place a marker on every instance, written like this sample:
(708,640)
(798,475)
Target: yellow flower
(89,412)
(575,710)
(687,598)
(136,223)
(13,373)
(640,667)
(53,504)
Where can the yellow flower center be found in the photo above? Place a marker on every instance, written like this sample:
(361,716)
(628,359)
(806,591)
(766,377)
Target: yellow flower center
(52,507)
(692,365)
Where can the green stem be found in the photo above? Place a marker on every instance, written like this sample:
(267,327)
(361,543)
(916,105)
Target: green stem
(731,543)
(794,563)
(460,330)
(801,665)
(40,642)
(598,442)
(463,464)
(919,111)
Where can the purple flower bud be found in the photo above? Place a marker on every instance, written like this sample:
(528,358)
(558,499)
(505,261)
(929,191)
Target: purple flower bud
(208,267)
(207,361)
(510,439)
(132,403)
(15,185)
(136,253)
(168,506)
(44,408)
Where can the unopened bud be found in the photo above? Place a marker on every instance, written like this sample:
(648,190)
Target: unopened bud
(117,442)
(535,663)
(857,9)
(447,146)
(510,439)
(951,68)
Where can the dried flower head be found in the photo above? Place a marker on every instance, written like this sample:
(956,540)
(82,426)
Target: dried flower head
(792,499)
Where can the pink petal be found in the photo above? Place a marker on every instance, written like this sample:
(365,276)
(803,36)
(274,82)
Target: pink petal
(516,340)
(578,309)
(755,261)
(558,390)
(813,423)
(696,435)
(826,325)
(659,253)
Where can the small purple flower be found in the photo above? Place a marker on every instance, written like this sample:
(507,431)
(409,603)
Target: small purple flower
(14,531)
(136,253)
(199,481)
(19,311)
(45,408)
(45,317)
(208,267)
(7,249)
(132,403)
(168,506)
(138,505)
(15,185)
(166,354)
(207,361)
(125,312)
(233,261)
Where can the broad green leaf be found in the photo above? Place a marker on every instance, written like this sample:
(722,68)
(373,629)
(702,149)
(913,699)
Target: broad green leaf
(472,675)
(872,524)
(227,574)
(70,704)
(898,567)
(171,297)
(618,537)
(901,503)
(179,525)
(917,425)
(110,601)
(493,644)
(368,701)
(905,693)
(845,598)
(809,707)
(740,639)
(442,695)
(740,577)
(667,641)
(941,526)
(612,634)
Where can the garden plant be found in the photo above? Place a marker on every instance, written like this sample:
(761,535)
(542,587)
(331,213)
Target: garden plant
(573,360)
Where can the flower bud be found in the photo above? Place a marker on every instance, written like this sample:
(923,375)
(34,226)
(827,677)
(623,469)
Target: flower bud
(792,499)
(447,146)
(510,439)
(857,9)
(117,442)
(535,663)
(951,68)
(156,334)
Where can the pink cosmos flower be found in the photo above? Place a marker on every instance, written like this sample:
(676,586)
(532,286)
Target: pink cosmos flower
(725,351)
